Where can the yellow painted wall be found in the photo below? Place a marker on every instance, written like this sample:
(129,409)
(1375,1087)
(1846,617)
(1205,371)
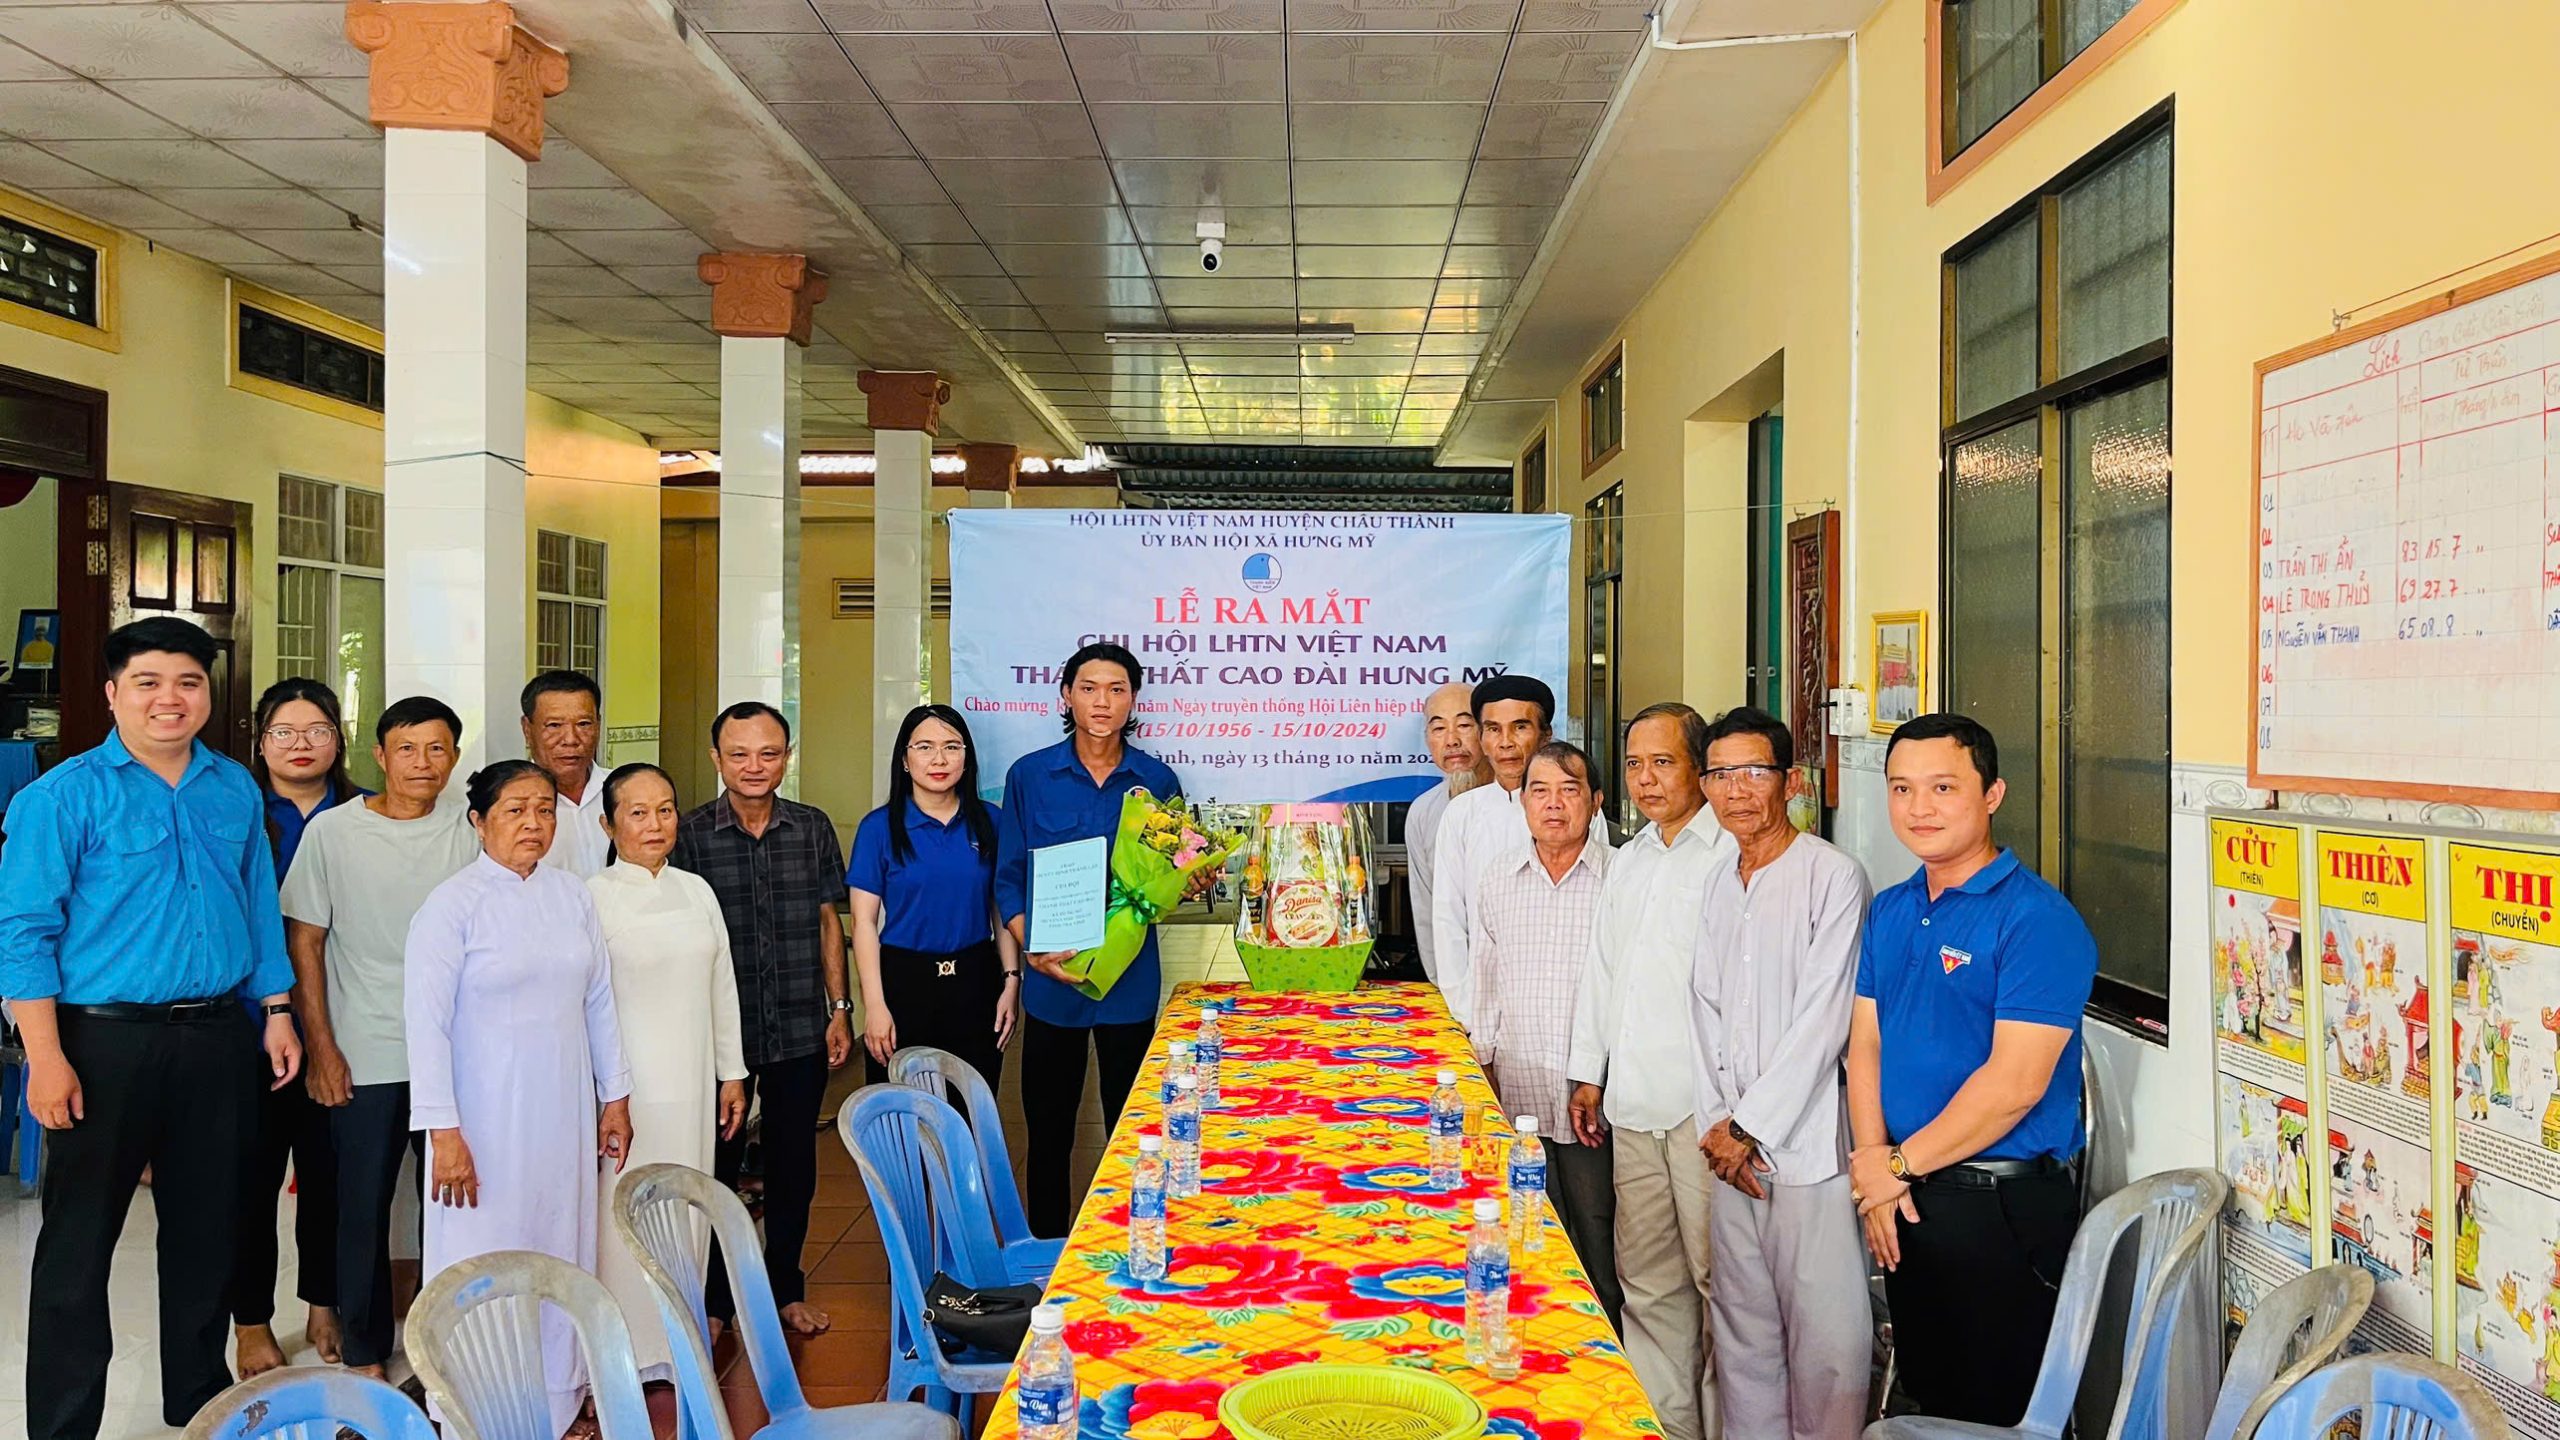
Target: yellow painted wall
(27,558)
(175,422)
(2327,155)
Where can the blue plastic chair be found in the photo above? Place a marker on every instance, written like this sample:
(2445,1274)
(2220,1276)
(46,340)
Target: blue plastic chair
(1029,1258)
(310,1404)
(475,1335)
(657,1212)
(2399,1396)
(917,1201)
(2172,1308)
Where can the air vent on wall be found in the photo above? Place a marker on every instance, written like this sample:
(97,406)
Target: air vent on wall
(853,599)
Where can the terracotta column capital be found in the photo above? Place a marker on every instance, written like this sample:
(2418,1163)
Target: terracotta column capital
(906,399)
(992,467)
(458,67)
(761,297)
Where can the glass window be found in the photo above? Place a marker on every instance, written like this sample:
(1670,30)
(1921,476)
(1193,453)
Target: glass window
(1764,564)
(274,348)
(302,617)
(569,579)
(304,521)
(1533,479)
(329,603)
(1995,320)
(2115,737)
(587,572)
(2083,21)
(1604,410)
(364,528)
(1603,569)
(360,671)
(551,562)
(551,636)
(1995,60)
(1995,614)
(43,271)
(2112,260)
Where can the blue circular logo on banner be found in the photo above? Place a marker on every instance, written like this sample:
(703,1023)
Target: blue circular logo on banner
(1261,573)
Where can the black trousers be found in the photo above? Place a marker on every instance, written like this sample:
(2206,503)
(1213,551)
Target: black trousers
(176,1098)
(954,1011)
(289,1124)
(793,1090)
(1974,1294)
(1053,1058)
(1582,1184)
(371,1132)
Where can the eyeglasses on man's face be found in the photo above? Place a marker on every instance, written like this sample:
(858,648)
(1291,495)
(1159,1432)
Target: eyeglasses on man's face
(1732,775)
(314,736)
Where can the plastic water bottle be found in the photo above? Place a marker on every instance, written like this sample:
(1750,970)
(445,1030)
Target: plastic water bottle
(1047,1399)
(1488,1285)
(1182,1139)
(1205,1054)
(1528,1185)
(1177,1063)
(1448,1132)
(1146,1210)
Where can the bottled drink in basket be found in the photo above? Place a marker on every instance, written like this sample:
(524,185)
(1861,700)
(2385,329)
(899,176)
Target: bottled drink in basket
(1047,1398)
(1448,1132)
(1146,1210)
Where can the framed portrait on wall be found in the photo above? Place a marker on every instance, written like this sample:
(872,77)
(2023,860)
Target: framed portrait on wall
(39,633)
(1898,676)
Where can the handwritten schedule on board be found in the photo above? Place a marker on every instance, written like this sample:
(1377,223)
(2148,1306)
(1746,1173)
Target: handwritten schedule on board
(2408,587)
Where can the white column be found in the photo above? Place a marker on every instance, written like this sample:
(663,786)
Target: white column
(455,591)
(901,589)
(760,523)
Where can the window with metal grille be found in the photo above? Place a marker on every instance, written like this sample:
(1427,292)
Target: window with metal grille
(329,613)
(2054,554)
(1993,54)
(568,587)
(855,599)
(274,348)
(43,271)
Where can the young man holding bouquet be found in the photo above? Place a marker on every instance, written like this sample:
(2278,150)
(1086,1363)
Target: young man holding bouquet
(1073,791)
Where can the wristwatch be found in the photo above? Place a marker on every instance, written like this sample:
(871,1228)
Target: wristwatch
(840,1005)
(280,1008)
(1740,1135)
(1900,1167)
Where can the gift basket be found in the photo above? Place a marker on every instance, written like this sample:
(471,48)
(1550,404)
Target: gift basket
(1306,920)
(1160,846)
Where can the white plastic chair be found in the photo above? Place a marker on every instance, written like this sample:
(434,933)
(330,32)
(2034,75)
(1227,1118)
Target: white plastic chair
(2294,1331)
(656,1210)
(309,1403)
(2399,1397)
(2174,1212)
(475,1335)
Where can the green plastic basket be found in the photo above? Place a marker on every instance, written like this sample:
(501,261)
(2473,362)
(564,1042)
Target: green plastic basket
(1350,1402)
(1331,969)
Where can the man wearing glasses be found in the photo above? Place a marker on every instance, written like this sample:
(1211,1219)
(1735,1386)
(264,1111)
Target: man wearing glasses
(1770,994)
(1630,1064)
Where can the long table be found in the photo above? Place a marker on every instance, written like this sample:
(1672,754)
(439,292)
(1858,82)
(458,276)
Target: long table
(1318,1235)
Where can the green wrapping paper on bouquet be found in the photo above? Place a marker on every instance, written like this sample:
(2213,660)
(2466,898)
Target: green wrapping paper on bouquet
(1160,846)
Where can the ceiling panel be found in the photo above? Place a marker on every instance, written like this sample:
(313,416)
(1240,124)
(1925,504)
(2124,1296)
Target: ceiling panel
(1551,68)
(1121,16)
(841,129)
(1378,182)
(962,68)
(1365,261)
(1495,16)
(1030,182)
(1412,131)
(787,68)
(244,109)
(1181,259)
(77,110)
(130,42)
(935,17)
(1175,66)
(1003,130)
(1394,67)
(1541,131)
(1179,225)
(1051,224)
(887,181)
(1376,224)
(1193,131)
(1203,182)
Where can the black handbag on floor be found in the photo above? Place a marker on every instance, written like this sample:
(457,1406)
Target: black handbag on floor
(995,1318)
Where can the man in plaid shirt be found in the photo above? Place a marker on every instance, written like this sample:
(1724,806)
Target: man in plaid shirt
(1532,925)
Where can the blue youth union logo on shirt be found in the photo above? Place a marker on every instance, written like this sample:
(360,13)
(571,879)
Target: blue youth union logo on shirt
(1952,959)
(1261,573)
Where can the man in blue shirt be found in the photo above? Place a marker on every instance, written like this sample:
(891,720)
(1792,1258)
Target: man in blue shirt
(1964,1083)
(1072,791)
(137,902)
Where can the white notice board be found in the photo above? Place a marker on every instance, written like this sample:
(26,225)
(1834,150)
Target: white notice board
(2407,615)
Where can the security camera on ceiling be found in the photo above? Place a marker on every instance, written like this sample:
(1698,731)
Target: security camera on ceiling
(1213,242)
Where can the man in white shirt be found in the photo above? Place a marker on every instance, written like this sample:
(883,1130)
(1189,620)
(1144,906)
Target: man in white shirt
(1449,730)
(1484,828)
(1772,992)
(1631,1066)
(1531,939)
(563,720)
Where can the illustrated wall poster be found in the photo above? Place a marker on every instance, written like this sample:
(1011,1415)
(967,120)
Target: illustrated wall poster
(2505,1012)
(2377,1042)
(2259,1007)
(2269,1140)
(1897,650)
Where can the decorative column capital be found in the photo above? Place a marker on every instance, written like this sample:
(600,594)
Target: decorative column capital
(761,297)
(906,399)
(992,467)
(457,67)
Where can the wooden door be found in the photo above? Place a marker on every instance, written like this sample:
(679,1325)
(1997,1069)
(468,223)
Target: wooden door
(188,557)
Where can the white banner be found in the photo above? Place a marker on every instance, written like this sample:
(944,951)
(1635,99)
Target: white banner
(1288,654)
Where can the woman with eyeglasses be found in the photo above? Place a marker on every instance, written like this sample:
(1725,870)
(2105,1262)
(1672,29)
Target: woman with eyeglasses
(301,767)
(935,966)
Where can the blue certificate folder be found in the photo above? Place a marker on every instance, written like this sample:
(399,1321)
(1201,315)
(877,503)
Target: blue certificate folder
(1070,885)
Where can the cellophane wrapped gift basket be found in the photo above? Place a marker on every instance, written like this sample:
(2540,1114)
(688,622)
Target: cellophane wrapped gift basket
(1307,919)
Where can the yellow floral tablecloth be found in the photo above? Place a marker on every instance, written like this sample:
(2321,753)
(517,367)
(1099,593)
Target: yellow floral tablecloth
(1318,1235)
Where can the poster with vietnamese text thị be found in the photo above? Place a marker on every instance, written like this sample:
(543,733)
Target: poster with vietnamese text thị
(2268,1138)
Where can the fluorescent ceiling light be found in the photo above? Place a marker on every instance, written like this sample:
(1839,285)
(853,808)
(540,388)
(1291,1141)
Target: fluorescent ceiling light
(864,463)
(1302,335)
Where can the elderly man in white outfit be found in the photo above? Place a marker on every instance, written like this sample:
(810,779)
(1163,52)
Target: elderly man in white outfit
(1631,1069)
(1449,733)
(1771,995)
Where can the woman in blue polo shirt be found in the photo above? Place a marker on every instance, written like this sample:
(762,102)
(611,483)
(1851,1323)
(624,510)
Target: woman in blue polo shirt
(936,969)
(301,769)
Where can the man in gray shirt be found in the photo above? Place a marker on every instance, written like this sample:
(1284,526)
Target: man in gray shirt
(360,876)
(1770,996)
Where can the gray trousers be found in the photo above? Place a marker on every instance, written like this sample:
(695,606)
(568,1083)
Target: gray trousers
(1794,1340)
(1664,1264)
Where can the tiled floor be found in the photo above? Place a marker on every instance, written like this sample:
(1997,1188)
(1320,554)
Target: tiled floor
(848,1278)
